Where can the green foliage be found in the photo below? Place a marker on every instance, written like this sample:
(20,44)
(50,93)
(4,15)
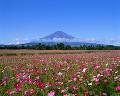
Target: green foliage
(61,46)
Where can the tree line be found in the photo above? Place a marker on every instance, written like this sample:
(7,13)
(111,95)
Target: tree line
(61,46)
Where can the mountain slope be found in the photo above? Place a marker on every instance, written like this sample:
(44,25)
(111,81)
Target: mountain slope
(58,34)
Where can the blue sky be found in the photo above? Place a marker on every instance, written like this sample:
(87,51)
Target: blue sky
(88,20)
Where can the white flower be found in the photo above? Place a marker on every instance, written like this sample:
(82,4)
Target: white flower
(84,70)
(46,86)
(106,64)
(101,75)
(116,72)
(90,84)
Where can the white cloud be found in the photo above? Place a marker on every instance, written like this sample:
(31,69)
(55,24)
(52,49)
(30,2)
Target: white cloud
(113,40)
(119,38)
(92,40)
(17,39)
(17,42)
(21,41)
(26,39)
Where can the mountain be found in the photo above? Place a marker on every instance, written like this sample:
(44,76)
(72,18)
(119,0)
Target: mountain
(58,34)
(57,37)
(60,37)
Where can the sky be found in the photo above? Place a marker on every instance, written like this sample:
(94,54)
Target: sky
(95,21)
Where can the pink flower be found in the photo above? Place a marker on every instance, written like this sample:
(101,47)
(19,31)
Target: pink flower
(37,71)
(74,87)
(51,93)
(14,69)
(7,91)
(59,73)
(37,77)
(105,80)
(98,75)
(104,94)
(85,92)
(17,75)
(58,88)
(31,92)
(19,90)
(66,95)
(75,93)
(108,74)
(41,85)
(74,79)
(12,92)
(49,85)
(117,88)
(62,91)
(79,82)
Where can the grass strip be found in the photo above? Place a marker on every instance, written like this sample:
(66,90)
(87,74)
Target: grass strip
(15,54)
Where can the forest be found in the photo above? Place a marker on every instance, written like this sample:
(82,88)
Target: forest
(61,46)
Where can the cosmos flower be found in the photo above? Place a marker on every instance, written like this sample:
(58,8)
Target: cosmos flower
(85,92)
(7,91)
(17,75)
(66,95)
(41,85)
(104,94)
(37,71)
(59,73)
(51,93)
(17,85)
(117,88)
(98,75)
(31,92)
(11,92)
(90,84)
(74,87)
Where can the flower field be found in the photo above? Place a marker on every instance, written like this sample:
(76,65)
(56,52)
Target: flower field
(76,74)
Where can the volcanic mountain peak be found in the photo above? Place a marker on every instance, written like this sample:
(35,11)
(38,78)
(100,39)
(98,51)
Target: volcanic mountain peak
(58,34)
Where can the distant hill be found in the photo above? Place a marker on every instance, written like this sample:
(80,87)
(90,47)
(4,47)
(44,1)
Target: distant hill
(66,43)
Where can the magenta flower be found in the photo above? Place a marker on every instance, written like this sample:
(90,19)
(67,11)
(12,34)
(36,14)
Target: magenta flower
(31,92)
(17,75)
(51,93)
(7,91)
(108,74)
(37,71)
(85,92)
(105,80)
(17,85)
(14,69)
(74,87)
(41,85)
(117,88)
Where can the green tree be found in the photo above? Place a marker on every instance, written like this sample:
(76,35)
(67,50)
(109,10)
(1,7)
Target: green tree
(60,46)
(68,47)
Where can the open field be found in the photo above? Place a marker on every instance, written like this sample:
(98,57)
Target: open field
(59,73)
(44,51)
(35,52)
